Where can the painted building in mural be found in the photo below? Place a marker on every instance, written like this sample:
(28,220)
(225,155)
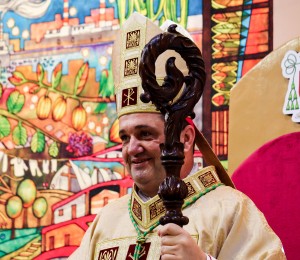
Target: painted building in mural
(58,124)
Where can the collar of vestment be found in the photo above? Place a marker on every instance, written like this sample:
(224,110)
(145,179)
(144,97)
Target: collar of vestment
(149,212)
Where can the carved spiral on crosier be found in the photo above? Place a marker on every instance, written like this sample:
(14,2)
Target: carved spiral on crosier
(163,96)
(173,190)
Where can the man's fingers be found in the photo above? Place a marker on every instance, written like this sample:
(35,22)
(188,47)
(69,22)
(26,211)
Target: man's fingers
(168,252)
(170,229)
(168,240)
(165,250)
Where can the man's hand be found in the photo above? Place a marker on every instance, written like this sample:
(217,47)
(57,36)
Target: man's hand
(176,243)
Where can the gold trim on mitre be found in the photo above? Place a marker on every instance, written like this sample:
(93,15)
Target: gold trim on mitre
(131,39)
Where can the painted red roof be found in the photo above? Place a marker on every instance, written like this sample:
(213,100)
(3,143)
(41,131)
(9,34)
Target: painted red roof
(82,222)
(127,182)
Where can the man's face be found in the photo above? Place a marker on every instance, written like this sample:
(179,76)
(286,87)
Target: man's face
(141,135)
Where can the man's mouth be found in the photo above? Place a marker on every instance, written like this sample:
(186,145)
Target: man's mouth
(139,161)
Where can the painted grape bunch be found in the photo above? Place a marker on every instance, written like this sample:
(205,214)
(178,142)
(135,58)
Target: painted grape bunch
(80,144)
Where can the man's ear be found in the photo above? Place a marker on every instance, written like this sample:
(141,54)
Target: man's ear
(187,137)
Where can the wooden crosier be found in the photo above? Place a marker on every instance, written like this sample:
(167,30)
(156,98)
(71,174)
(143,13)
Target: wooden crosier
(173,190)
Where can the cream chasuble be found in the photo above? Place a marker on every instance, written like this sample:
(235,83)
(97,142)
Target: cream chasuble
(225,223)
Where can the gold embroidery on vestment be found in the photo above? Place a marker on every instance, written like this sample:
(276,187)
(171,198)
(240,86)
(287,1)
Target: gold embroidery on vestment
(153,209)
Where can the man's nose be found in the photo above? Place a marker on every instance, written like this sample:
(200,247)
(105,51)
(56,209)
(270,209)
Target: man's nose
(134,146)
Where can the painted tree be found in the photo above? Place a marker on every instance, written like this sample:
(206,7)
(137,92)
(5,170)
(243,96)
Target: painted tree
(39,208)
(27,192)
(13,210)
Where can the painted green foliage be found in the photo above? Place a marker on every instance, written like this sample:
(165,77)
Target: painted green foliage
(106,87)
(14,207)
(27,192)
(39,207)
(38,142)
(166,10)
(53,150)
(17,78)
(40,73)
(107,82)
(56,76)
(19,134)
(81,78)
(4,126)
(1,90)
(15,102)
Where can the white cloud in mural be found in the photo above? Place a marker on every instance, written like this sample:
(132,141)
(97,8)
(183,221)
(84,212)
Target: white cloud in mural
(10,23)
(73,11)
(15,31)
(85,52)
(103,60)
(25,34)
(26,8)
(109,50)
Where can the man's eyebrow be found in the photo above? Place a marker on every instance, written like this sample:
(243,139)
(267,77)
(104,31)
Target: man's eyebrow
(143,126)
(137,127)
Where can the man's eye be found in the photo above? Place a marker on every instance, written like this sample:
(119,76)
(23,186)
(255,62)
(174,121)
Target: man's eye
(145,134)
(124,138)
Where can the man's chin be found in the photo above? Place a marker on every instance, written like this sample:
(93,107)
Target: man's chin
(138,175)
(141,177)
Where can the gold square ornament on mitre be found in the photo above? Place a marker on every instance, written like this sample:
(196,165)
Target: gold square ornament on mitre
(131,39)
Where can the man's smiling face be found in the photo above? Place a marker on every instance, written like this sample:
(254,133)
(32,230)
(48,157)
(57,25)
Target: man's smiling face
(141,135)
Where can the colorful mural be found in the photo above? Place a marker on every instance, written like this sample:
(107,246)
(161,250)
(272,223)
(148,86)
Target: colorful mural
(238,35)
(60,154)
